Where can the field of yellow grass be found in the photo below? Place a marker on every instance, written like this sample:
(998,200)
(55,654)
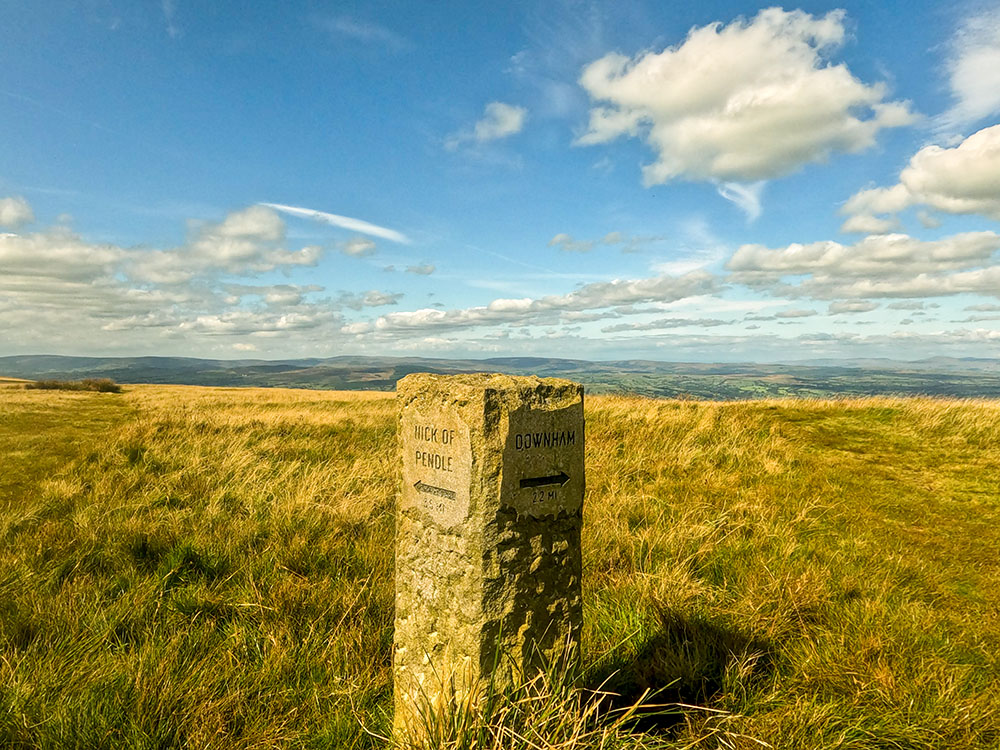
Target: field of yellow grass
(212,568)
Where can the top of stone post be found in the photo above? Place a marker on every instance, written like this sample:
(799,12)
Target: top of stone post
(466,388)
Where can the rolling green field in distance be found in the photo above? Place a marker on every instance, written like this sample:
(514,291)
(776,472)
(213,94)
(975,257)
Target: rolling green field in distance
(212,568)
(941,377)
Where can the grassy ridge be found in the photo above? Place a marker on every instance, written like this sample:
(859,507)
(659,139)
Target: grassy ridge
(212,568)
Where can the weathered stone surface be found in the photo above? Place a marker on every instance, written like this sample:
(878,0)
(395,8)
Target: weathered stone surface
(488,531)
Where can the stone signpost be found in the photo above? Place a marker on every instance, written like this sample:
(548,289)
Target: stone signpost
(488,532)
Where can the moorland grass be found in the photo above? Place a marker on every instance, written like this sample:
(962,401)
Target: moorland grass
(202,567)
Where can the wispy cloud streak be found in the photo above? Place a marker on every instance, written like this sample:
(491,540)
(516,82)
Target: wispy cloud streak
(169,14)
(344,222)
(746,196)
(364,32)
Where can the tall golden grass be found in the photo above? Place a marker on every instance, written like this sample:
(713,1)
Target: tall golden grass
(201,567)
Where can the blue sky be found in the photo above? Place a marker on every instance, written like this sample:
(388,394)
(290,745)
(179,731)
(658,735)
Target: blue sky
(677,181)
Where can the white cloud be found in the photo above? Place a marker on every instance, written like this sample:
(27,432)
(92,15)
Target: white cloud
(869,224)
(973,72)
(358,247)
(878,201)
(566,243)
(55,254)
(749,101)
(422,269)
(15,212)
(246,241)
(960,180)
(344,222)
(662,323)
(273,294)
(547,309)
(629,244)
(372,298)
(891,265)
(356,329)
(873,256)
(852,306)
(254,322)
(760,345)
(977,319)
(254,222)
(375,298)
(964,179)
(62,292)
(499,120)
(795,313)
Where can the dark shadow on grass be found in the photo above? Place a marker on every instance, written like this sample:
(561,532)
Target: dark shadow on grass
(684,661)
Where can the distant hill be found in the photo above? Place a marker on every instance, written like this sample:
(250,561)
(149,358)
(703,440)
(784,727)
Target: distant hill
(938,376)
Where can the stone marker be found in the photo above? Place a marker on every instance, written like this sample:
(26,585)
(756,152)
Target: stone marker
(488,532)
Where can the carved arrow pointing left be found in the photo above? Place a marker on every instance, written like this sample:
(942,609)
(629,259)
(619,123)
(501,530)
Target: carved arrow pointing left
(430,489)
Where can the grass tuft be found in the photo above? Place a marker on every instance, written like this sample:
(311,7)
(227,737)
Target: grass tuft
(548,709)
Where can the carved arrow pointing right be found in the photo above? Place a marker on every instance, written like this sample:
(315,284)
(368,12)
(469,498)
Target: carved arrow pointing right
(561,478)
